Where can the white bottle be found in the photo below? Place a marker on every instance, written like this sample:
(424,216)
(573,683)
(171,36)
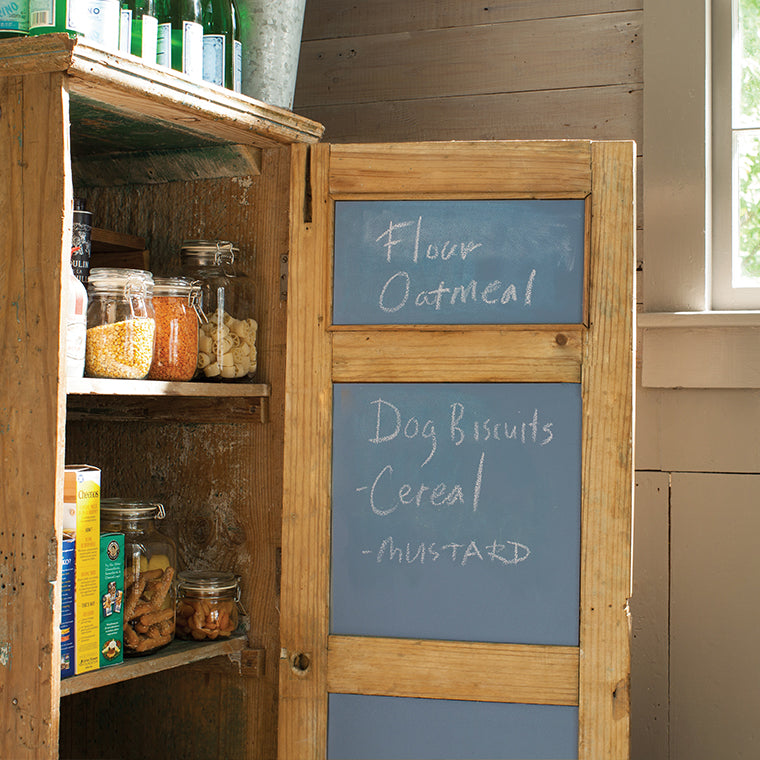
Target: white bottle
(76,326)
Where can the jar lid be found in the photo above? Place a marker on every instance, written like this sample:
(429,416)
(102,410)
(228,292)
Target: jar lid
(208,252)
(131,509)
(168,286)
(132,282)
(208,581)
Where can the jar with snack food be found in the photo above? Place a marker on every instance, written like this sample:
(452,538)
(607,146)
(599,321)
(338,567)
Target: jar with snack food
(176,303)
(120,323)
(150,568)
(208,604)
(227,341)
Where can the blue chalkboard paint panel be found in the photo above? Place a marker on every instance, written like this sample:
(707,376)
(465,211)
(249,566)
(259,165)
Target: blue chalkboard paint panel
(456,511)
(363,727)
(459,262)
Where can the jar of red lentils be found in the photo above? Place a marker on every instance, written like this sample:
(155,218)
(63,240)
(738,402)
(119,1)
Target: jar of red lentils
(227,339)
(176,303)
(121,326)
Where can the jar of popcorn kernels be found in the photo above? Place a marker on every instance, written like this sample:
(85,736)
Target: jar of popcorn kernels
(121,326)
(208,604)
(227,340)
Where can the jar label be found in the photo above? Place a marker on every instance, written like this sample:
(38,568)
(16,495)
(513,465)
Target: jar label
(214,48)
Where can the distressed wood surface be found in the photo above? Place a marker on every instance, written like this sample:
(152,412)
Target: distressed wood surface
(594,50)
(306,512)
(607,497)
(33,155)
(441,170)
(453,670)
(132,86)
(347,18)
(609,112)
(479,354)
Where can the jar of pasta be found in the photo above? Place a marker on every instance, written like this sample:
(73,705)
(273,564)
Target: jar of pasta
(176,303)
(227,340)
(150,569)
(120,323)
(208,603)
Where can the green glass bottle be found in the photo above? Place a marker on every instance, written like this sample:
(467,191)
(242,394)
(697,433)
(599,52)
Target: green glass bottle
(217,42)
(139,29)
(14,18)
(180,36)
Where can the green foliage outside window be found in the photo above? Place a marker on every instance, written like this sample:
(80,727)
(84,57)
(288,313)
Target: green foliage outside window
(748,143)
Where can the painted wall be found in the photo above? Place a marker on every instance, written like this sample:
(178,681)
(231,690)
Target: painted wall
(401,70)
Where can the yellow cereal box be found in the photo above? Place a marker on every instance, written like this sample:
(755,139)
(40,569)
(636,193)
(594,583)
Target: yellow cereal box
(81,496)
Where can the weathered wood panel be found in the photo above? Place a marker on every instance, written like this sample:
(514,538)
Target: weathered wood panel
(454,670)
(497,355)
(611,112)
(608,460)
(33,155)
(347,18)
(306,514)
(582,51)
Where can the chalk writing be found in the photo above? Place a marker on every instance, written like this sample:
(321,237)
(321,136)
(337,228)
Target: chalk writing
(459,553)
(439,262)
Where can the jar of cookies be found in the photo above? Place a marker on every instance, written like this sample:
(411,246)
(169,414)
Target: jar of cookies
(176,304)
(208,604)
(227,340)
(150,569)
(121,326)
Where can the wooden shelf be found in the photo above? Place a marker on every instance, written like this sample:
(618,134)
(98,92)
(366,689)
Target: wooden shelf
(177,654)
(135,122)
(158,401)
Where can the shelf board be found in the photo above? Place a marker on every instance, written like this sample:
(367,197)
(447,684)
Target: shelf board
(175,655)
(104,387)
(158,401)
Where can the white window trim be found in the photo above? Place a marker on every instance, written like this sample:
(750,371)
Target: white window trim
(684,345)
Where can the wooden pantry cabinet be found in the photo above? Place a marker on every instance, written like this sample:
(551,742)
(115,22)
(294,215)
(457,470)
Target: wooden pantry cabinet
(156,155)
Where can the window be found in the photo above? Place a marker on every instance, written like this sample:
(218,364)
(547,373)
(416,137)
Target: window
(736,154)
(698,330)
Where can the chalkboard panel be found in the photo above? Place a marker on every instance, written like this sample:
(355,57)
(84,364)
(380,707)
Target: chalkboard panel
(459,262)
(394,728)
(456,511)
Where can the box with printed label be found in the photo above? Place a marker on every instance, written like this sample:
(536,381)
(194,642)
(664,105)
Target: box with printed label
(111,598)
(81,497)
(67,607)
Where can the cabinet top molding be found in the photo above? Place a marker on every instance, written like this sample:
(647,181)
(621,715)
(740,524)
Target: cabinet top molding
(129,87)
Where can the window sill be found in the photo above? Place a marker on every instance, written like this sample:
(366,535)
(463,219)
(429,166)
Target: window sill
(709,349)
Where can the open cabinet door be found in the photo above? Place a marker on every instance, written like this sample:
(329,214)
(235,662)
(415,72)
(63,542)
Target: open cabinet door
(458,452)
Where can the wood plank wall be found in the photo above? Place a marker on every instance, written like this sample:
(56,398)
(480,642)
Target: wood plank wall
(405,70)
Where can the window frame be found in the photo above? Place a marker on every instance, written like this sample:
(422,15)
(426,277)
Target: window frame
(685,342)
